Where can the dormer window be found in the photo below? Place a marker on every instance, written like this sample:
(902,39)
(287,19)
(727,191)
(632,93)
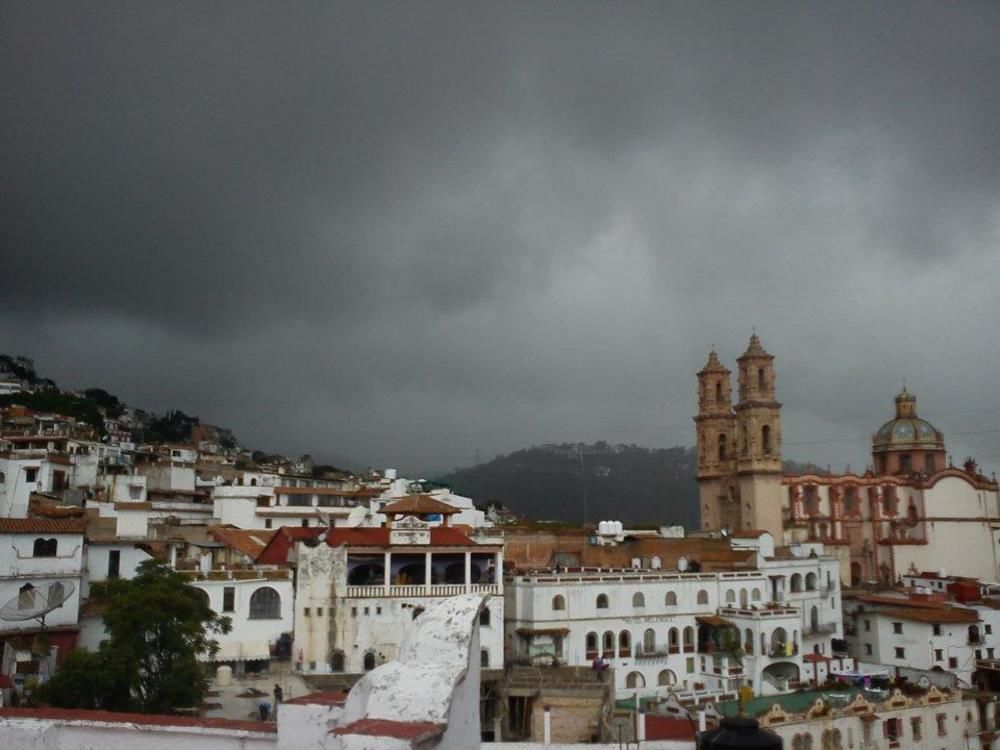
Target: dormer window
(45,548)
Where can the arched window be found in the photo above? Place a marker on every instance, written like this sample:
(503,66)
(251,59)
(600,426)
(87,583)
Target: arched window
(755,595)
(730,596)
(673,640)
(722,446)
(484,657)
(558,603)
(265,604)
(718,393)
(608,642)
(26,596)
(666,677)
(688,638)
(591,645)
(602,601)
(369,663)
(45,548)
(744,600)
(649,641)
(765,439)
(638,600)
(703,597)
(635,680)
(671,599)
(253,482)
(761,379)
(796,583)
(337,661)
(484,616)
(624,643)
(810,582)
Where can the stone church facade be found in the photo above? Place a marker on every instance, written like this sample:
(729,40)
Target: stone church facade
(910,511)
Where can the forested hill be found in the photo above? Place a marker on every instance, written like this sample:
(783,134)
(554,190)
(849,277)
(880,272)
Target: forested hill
(626,483)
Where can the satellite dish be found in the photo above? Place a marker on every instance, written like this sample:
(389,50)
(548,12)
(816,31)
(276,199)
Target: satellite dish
(34,603)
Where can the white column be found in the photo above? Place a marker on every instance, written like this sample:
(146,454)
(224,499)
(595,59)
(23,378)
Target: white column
(547,727)
(427,572)
(640,728)
(468,572)
(387,573)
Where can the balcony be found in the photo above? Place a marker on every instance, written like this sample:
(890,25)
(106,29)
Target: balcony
(822,629)
(418,589)
(656,653)
(779,652)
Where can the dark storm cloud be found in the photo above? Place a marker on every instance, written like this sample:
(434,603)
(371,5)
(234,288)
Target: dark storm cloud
(404,233)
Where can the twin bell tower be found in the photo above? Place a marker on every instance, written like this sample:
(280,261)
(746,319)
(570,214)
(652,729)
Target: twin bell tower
(739,446)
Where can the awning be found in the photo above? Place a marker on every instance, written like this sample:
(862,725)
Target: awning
(714,621)
(528,632)
(242,651)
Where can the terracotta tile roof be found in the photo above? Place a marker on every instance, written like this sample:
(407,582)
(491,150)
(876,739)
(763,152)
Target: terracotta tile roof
(133,506)
(419,505)
(713,620)
(40,526)
(934,616)
(379,537)
(901,601)
(276,551)
(323,698)
(816,658)
(114,717)
(415,731)
(250,542)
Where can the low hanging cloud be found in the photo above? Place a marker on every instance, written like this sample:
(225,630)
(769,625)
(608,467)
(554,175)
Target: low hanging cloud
(413,234)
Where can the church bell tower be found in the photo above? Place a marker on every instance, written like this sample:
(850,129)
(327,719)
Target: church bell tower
(716,445)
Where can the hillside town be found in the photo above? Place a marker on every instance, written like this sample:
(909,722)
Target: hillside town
(838,610)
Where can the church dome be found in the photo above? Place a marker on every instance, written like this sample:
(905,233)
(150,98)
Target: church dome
(907,430)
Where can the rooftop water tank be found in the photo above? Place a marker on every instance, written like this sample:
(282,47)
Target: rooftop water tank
(735,733)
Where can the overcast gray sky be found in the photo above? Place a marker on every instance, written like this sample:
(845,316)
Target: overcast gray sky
(402,233)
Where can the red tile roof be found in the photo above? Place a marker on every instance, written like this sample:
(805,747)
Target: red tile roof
(379,537)
(419,505)
(276,551)
(41,526)
(251,542)
(113,717)
(816,658)
(934,616)
(418,731)
(323,698)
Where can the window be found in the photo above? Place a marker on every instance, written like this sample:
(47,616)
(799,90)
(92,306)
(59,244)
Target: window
(892,728)
(915,729)
(671,599)
(114,563)
(268,523)
(378,610)
(952,662)
(305,611)
(761,381)
(558,603)
(484,617)
(635,680)
(31,474)
(624,643)
(649,641)
(937,630)
(868,626)
(989,653)
(265,604)
(45,548)
(942,724)
(26,596)
(988,629)
(868,649)
(897,627)
(638,600)
(229,599)
(608,643)
(730,597)
(905,465)
(369,662)
(366,611)
(703,597)
(319,611)
(602,601)
(765,439)
(929,463)
(900,652)
(722,447)
(938,654)
(3,478)
(591,645)
(484,657)
(755,595)
(690,665)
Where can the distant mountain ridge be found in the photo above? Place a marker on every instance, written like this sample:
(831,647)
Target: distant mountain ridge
(575,482)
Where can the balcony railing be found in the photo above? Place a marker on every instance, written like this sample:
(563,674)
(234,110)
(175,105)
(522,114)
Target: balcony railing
(822,629)
(375,591)
(782,653)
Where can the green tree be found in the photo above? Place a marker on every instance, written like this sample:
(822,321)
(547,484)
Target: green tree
(157,626)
